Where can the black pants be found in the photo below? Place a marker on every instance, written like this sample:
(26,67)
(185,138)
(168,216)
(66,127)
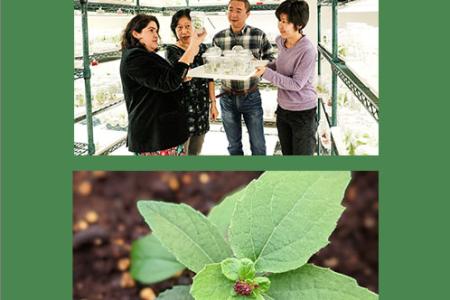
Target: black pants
(297,131)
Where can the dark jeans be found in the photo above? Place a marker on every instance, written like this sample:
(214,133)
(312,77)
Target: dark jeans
(297,131)
(249,107)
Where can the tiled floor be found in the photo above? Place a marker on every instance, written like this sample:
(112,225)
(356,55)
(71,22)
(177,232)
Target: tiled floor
(216,142)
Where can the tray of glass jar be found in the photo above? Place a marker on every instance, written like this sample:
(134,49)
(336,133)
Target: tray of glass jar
(235,64)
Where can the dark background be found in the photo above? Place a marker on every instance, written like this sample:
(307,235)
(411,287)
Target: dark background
(106,221)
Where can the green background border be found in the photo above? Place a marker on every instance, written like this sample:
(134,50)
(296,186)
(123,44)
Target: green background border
(37,160)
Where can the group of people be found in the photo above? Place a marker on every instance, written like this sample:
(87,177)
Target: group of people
(169,113)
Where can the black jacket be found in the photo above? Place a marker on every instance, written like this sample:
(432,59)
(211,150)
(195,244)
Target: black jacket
(156,119)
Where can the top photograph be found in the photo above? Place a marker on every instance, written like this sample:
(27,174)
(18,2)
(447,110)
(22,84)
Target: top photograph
(221,77)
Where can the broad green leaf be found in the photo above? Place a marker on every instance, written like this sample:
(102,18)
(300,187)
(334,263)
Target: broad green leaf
(311,283)
(285,217)
(186,233)
(220,215)
(180,292)
(210,283)
(151,262)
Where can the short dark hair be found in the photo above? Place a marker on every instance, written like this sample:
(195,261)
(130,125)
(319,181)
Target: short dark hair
(186,13)
(297,12)
(246,2)
(137,23)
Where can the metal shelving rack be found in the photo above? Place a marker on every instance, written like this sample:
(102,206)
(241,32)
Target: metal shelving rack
(137,8)
(85,73)
(339,69)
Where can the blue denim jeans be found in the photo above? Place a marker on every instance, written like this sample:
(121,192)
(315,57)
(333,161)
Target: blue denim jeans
(249,107)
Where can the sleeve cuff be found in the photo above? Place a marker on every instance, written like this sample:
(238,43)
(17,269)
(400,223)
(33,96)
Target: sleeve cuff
(268,74)
(181,68)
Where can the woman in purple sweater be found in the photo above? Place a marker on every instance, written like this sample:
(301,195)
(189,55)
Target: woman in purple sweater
(293,74)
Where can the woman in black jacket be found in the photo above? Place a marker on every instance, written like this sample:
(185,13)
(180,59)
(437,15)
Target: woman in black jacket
(156,120)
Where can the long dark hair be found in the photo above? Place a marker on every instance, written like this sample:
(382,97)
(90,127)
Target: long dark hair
(177,16)
(138,23)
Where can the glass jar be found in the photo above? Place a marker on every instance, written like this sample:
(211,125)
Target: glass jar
(198,21)
(244,66)
(213,64)
(214,50)
(237,48)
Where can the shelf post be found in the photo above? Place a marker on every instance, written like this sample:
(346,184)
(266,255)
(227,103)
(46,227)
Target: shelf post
(335,60)
(87,76)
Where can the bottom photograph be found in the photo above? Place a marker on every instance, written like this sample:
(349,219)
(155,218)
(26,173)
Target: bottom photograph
(272,235)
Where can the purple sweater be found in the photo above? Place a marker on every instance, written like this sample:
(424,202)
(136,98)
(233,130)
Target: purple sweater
(293,74)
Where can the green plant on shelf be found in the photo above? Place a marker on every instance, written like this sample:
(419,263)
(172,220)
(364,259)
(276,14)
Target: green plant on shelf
(79,100)
(254,245)
(101,97)
(115,89)
(355,140)
(106,95)
(118,121)
(115,39)
(321,89)
(342,51)
(343,99)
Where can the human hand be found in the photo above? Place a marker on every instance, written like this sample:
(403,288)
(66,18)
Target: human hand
(213,112)
(260,71)
(198,37)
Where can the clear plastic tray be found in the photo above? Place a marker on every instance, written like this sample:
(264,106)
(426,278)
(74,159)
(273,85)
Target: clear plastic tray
(200,72)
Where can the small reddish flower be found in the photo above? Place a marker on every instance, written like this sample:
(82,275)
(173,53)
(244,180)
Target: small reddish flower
(243,288)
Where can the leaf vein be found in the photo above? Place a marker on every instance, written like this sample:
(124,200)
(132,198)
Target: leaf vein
(281,221)
(189,238)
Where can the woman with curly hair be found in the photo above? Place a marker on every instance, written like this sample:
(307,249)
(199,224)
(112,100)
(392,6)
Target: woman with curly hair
(151,85)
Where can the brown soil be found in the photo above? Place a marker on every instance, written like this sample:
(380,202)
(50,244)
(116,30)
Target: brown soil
(106,221)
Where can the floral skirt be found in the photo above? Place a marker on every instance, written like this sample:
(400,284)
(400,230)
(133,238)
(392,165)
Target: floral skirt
(174,151)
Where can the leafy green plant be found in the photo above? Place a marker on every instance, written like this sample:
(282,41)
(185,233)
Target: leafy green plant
(256,243)
(353,140)
(342,51)
(343,99)
(151,262)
